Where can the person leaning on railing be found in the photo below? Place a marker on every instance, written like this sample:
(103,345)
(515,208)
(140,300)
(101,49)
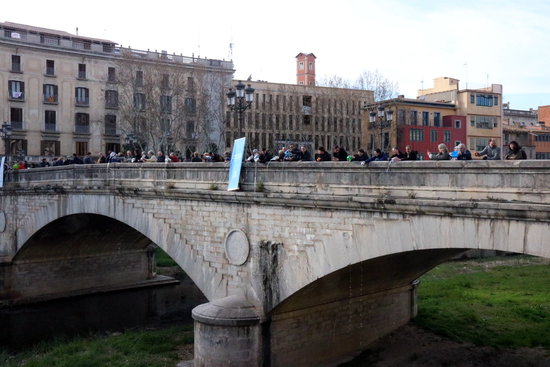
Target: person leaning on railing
(490,152)
(441,155)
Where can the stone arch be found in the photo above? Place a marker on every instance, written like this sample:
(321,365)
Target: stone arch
(394,236)
(152,221)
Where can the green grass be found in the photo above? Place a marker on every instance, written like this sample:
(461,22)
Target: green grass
(507,305)
(162,259)
(136,348)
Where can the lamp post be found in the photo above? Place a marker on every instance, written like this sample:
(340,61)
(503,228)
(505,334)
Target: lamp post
(6,136)
(381,120)
(239,100)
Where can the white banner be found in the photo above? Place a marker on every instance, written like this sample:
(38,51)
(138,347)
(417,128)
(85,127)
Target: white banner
(2,172)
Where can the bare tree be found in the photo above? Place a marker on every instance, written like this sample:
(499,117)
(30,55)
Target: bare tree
(171,107)
(382,87)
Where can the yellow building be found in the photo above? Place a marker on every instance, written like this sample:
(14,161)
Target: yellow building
(482,108)
(63,93)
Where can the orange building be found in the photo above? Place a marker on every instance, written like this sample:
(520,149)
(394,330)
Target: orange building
(305,69)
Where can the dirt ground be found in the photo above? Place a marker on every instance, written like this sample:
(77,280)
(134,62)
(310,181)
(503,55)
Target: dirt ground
(412,346)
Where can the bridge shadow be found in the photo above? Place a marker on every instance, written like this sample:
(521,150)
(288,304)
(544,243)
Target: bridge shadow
(334,318)
(88,272)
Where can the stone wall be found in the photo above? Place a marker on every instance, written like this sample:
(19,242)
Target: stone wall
(331,333)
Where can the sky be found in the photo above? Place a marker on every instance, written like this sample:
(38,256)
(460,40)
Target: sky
(410,42)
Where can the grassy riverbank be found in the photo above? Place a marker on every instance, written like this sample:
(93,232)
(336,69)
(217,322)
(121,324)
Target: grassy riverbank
(501,302)
(136,348)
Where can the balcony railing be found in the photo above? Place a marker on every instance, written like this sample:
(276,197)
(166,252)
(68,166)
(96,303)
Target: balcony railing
(82,129)
(50,126)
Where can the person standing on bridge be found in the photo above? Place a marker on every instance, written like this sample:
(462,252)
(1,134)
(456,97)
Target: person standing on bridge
(491,152)
(515,152)
(442,155)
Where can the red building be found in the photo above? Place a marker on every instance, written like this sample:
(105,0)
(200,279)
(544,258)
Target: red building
(423,125)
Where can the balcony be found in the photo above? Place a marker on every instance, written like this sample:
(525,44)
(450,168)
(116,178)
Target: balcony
(82,129)
(50,127)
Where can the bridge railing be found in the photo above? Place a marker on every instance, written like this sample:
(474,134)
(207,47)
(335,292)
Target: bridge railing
(525,175)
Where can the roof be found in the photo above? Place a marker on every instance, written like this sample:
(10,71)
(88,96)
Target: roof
(411,101)
(303,54)
(30,28)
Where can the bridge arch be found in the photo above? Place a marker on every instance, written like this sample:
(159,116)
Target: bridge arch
(144,222)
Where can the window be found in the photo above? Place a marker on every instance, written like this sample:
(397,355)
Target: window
(301,65)
(457,124)
(50,67)
(82,96)
(190,130)
(165,82)
(49,119)
(472,98)
(18,147)
(310,66)
(495,100)
(16,118)
(110,125)
(81,148)
(16,63)
(81,71)
(190,84)
(484,122)
(484,100)
(425,118)
(165,104)
(190,106)
(437,119)
(49,148)
(433,136)
(447,136)
(16,89)
(111,74)
(416,135)
(139,101)
(50,93)
(82,123)
(111,99)
(139,78)
(414,117)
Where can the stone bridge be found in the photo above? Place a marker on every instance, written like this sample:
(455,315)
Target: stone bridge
(306,265)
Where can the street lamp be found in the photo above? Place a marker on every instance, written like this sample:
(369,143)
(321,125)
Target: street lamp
(381,121)
(240,100)
(6,136)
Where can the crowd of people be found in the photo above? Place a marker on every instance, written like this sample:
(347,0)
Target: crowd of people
(292,153)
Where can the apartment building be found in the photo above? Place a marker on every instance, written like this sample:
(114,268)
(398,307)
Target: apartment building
(482,108)
(64,93)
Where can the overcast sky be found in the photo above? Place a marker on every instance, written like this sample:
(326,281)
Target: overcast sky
(411,42)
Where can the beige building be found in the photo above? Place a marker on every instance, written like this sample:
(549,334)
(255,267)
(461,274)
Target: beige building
(64,93)
(303,114)
(482,108)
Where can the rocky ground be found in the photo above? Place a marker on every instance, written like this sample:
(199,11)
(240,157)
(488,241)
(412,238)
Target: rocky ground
(412,346)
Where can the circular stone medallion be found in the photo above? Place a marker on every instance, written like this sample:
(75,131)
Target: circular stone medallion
(237,247)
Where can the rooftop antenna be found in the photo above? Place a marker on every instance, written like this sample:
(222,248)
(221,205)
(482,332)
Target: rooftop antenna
(199,43)
(231,44)
(77,31)
(466,73)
